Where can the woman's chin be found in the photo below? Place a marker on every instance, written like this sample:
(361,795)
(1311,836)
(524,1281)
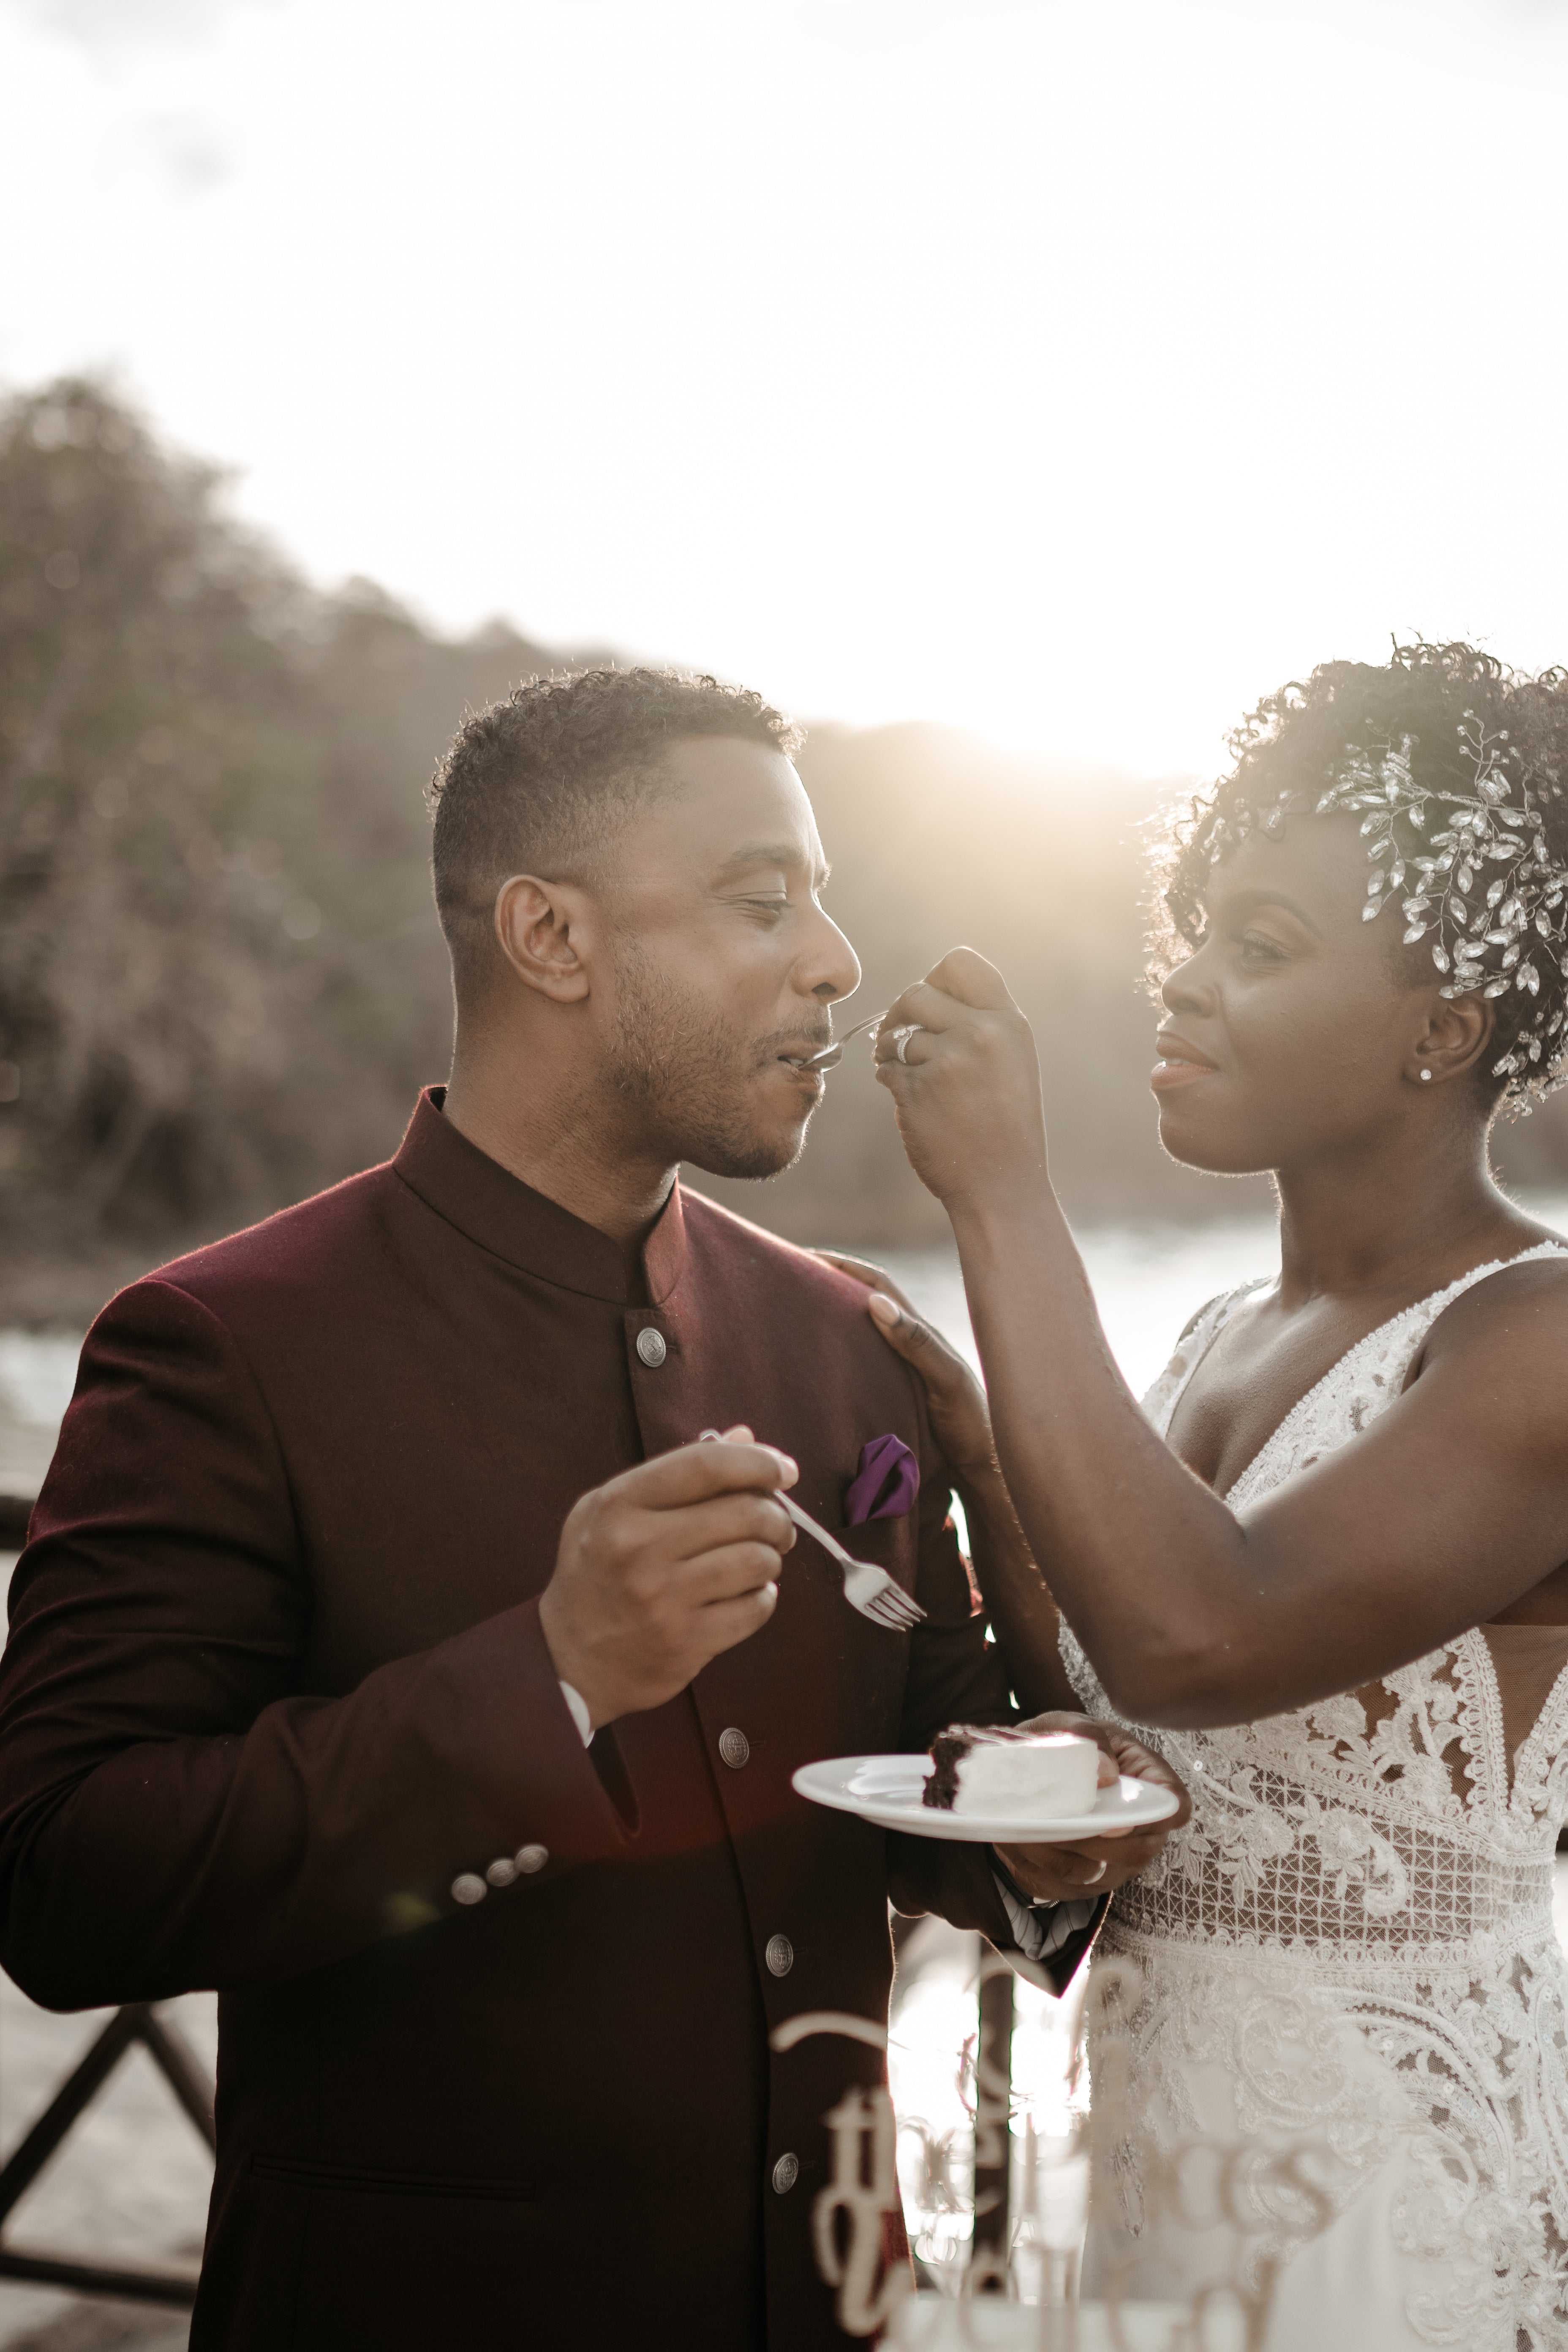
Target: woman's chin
(1204,1144)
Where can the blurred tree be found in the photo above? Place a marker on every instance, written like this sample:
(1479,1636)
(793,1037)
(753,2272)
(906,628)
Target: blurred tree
(155,752)
(220,975)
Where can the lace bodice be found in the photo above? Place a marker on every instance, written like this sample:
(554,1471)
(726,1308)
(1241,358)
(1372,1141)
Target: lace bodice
(1362,1826)
(1374,1866)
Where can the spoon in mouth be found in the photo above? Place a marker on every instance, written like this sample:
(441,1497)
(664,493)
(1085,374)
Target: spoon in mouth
(829,1057)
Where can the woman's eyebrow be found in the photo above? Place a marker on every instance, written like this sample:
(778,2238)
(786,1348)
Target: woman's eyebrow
(1240,903)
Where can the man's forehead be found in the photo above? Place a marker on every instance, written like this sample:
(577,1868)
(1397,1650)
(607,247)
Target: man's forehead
(736,805)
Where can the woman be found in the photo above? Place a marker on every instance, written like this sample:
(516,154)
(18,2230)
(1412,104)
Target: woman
(1329,1572)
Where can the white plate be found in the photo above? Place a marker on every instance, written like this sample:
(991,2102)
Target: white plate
(886,1790)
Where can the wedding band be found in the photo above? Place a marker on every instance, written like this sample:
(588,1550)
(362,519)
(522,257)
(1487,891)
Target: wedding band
(904,1037)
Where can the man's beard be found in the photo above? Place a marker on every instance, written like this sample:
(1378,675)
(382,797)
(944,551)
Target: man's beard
(687,1076)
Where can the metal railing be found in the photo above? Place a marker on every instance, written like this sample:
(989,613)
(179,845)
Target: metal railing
(138,2024)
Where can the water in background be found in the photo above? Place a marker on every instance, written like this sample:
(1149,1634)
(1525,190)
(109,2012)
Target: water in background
(1148,1280)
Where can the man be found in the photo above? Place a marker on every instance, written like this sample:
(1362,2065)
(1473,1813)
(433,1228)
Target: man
(364,1522)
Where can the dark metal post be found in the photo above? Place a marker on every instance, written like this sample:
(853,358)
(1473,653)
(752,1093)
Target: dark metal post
(993,2119)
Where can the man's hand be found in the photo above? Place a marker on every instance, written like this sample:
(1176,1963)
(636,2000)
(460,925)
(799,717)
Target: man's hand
(1062,1873)
(663,1568)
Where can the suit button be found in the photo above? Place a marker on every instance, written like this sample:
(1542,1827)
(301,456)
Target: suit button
(502,1871)
(530,1858)
(650,1347)
(734,1748)
(468,1888)
(780,1956)
(786,2172)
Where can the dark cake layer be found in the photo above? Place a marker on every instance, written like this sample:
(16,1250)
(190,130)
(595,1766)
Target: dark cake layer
(948,1751)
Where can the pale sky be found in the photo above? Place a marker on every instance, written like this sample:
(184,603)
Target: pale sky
(1072,373)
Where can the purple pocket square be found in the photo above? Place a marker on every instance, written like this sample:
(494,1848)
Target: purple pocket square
(886,1484)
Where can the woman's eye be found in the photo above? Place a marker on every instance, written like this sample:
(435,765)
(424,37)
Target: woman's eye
(1257,948)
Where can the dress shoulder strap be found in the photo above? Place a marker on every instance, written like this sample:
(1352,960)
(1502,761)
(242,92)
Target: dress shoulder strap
(1198,1336)
(1426,1311)
(1364,1383)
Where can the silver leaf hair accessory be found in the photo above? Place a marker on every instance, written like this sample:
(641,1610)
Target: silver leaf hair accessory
(1471,869)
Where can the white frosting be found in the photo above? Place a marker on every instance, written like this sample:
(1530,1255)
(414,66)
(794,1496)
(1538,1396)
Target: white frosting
(1044,1779)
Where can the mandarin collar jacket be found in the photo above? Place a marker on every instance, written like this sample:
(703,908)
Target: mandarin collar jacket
(277,1688)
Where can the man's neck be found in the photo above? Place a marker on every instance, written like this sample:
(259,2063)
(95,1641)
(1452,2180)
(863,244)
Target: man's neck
(560,1142)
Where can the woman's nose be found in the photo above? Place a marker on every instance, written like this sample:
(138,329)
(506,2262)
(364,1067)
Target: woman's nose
(1186,989)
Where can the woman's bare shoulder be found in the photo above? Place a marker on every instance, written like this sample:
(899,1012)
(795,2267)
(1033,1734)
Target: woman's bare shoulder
(1522,1305)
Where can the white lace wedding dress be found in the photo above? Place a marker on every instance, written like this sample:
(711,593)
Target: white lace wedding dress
(1330,2025)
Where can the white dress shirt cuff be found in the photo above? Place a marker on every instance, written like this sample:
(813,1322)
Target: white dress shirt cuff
(1040,1931)
(577,1708)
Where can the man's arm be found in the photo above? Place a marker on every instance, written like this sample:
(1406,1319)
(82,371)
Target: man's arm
(173,1814)
(176,1813)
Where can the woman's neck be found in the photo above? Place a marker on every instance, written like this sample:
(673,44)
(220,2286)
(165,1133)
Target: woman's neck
(1388,1218)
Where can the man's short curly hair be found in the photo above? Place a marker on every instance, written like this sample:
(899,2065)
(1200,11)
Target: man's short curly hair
(1295,738)
(540,782)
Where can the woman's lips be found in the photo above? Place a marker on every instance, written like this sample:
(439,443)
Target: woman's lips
(1178,1066)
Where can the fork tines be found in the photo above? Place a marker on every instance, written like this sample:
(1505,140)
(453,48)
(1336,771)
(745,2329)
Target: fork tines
(895,1610)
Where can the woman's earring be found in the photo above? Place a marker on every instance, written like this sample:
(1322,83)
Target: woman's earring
(1424,1076)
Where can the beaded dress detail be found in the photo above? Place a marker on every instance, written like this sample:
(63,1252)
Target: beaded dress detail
(1340,1984)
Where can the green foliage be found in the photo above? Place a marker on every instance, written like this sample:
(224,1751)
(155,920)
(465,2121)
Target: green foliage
(220,978)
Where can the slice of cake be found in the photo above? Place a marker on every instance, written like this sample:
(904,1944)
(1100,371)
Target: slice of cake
(1030,1774)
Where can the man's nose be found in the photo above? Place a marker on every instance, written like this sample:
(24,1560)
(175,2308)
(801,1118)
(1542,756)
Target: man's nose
(830,968)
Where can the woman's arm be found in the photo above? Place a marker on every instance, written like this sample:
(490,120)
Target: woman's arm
(1022,1616)
(1448,1507)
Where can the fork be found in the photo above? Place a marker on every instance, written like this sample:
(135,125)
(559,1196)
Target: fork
(870,1590)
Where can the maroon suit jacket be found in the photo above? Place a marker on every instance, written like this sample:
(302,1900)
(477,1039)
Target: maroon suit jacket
(276,1680)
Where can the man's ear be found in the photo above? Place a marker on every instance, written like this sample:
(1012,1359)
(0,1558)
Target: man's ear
(539,927)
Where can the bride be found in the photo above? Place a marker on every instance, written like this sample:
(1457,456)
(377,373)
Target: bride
(1326,1567)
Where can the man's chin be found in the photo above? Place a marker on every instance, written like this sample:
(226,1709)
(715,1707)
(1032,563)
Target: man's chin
(755,1158)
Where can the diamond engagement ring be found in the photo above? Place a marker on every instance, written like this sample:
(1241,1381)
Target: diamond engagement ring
(904,1037)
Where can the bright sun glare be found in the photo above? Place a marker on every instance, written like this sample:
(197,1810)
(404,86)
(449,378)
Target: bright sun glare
(1073,374)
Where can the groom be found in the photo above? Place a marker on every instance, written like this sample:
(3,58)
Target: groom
(388,1656)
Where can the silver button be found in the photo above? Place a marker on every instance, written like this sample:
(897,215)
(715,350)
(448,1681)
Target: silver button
(779,1955)
(734,1748)
(786,2172)
(650,1347)
(530,1858)
(502,1871)
(468,1888)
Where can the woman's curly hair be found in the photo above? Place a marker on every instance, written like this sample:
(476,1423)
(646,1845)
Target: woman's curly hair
(1295,742)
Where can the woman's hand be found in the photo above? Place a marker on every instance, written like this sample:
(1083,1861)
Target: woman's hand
(967,1088)
(959,1415)
(1061,1874)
